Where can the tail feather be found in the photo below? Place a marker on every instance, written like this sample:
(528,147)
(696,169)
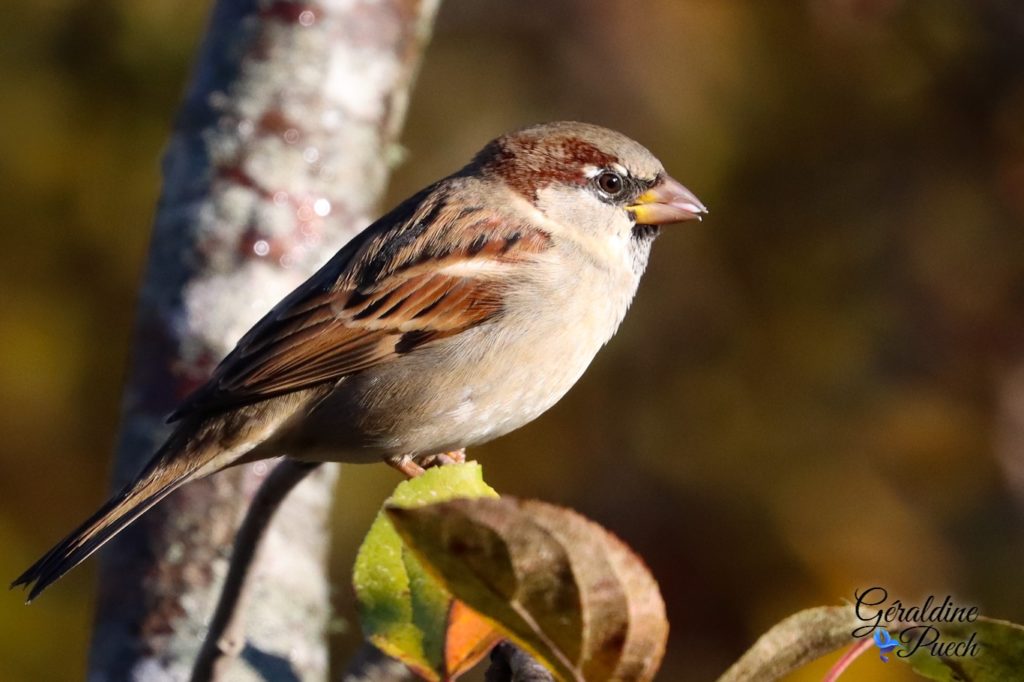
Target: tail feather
(158,480)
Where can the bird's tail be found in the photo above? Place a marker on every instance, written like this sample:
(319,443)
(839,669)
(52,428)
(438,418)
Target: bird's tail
(165,472)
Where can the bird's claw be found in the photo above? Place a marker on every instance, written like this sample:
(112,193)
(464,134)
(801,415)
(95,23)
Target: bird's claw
(413,468)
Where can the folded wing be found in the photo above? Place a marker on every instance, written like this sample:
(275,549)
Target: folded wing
(426,271)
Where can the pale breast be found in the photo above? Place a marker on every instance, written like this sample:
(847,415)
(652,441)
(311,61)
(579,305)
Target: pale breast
(486,381)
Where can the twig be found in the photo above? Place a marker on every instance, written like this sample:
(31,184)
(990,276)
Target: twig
(794,642)
(509,663)
(847,659)
(225,638)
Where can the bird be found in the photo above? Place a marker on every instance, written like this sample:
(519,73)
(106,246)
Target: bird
(462,314)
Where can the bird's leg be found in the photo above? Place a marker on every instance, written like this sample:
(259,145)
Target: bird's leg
(406,464)
(411,468)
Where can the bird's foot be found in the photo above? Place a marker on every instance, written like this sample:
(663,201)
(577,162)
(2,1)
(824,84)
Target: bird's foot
(413,468)
(444,459)
(407,465)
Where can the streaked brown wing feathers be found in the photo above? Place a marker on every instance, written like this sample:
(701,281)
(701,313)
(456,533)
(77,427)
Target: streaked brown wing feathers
(380,297)
(352,338)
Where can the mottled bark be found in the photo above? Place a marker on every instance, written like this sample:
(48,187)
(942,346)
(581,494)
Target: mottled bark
(278,156)
(225,637)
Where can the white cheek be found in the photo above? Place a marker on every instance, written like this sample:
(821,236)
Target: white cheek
(583,210)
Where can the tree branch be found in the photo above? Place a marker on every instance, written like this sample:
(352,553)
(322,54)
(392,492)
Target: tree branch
(226,637)
(509,663)
(278,156)
(794,642)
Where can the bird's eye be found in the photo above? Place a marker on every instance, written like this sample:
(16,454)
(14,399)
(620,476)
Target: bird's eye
(610,183)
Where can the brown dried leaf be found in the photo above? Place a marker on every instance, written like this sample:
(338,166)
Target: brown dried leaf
(560,585)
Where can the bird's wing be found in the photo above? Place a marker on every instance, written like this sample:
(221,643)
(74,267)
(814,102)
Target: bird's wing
(427,270)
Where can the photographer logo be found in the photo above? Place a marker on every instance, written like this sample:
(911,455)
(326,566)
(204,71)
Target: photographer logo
(917,628)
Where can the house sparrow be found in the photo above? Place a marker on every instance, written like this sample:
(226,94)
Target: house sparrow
(461,315)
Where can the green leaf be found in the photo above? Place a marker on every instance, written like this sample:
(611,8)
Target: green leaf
(403,610)
(1000,652)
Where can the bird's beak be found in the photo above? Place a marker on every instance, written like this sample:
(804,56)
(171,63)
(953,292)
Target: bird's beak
(667,202)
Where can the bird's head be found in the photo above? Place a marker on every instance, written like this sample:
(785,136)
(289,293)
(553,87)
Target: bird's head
(588,176)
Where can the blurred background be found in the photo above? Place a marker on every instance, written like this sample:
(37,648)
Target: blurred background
(819,389)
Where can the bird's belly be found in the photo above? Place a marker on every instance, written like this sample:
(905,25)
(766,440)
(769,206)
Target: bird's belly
(504,392)
(486,389)
(463,390)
